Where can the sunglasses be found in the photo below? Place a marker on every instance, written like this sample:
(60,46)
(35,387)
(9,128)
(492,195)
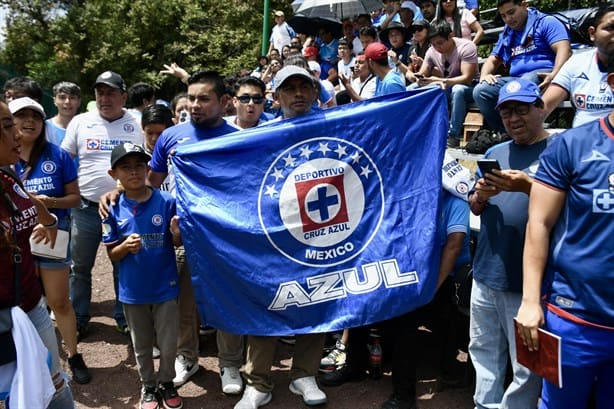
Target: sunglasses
(520,110)
(257,99)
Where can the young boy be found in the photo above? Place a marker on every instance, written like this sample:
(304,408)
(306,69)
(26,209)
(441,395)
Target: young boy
(140,232)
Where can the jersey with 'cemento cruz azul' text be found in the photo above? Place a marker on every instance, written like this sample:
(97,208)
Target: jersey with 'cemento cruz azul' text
(580,162)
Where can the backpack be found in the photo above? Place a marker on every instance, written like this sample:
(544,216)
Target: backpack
(483,139)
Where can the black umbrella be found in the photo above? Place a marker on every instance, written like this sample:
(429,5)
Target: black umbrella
(311,25)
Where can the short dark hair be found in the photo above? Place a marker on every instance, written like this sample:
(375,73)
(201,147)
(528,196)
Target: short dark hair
(25,85)
(440,28)
(139,92)
(176,99)
(66,87)
(209,77)
(157,114)
(502,2)
(603,9)
(369,31)
(346,43)
(253,81)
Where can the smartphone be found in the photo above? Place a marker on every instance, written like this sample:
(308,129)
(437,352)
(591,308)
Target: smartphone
(487,165)
(184,116)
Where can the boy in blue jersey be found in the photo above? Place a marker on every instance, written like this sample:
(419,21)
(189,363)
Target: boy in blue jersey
(569,258)
(140,233)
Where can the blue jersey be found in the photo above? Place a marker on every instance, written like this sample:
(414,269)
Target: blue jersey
(530,49)
(392,83)
(498,257)
(454,218)
(54,169)
(149,276)
(580,162)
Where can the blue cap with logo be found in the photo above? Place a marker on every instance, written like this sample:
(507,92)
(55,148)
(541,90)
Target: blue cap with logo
(520,90)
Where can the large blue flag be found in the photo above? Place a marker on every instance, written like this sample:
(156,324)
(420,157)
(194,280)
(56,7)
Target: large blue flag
(317,223)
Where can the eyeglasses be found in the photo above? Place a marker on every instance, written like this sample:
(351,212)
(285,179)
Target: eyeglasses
(446,66)
(520,110)
(257,99)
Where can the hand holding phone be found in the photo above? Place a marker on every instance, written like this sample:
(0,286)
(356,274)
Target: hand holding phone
(488,165)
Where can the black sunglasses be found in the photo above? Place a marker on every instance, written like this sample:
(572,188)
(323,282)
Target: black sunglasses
(244,99)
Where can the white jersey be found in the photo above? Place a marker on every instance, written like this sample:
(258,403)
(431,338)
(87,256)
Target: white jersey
(364,89)
(92,138)
(587,86)
(345,69)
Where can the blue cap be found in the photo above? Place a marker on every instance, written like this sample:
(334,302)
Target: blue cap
(520,90)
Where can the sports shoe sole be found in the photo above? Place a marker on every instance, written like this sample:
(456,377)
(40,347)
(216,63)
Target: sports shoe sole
(313,402)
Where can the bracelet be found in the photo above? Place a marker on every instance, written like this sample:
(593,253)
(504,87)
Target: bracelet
(52,225)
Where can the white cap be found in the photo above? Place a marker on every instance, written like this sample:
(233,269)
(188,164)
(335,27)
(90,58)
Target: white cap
(18,104)
(315,66)
(410,5)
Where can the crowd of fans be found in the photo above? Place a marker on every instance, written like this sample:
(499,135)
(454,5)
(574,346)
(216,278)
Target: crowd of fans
(112,162)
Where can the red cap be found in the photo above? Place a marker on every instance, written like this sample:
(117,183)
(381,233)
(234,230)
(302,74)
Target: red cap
(376,51)
(310,52)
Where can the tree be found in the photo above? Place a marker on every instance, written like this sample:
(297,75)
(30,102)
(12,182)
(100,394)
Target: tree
(53,40)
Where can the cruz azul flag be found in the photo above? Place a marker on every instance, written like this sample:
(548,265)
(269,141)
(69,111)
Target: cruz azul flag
(317,223)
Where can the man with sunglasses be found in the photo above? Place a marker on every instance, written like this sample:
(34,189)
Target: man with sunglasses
(248,102)
(501,199)
(451,63)
(533,45)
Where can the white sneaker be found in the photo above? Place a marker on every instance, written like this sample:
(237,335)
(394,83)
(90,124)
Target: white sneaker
(309,390)
(183,370)
(253,398)
(231,380)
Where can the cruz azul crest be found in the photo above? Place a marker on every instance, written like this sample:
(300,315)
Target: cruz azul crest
(321,201)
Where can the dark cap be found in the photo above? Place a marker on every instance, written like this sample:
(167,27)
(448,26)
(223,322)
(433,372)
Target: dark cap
(421,23)
(394,25)
(112,79)
(376,51)
(125,149)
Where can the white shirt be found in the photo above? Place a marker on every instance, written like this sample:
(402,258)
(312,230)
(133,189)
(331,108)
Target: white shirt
(345,69)
(92,138)
(367,87)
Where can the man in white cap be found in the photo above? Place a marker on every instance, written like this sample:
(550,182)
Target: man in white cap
(295,91)
(281,34)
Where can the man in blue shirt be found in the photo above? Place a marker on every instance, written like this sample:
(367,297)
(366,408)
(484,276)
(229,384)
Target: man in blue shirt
(533,45)
(387,80)
(501,200)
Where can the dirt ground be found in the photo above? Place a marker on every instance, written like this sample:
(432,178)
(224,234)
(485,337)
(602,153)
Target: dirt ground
(115,381)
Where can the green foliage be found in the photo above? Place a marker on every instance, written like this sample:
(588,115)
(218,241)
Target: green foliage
(75,40)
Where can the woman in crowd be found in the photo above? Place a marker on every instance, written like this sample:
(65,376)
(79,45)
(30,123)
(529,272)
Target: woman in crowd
(49,174)
(463,22)
(421,44)
(21,216)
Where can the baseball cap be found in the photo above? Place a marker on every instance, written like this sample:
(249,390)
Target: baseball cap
(315,66)
(410,5)
(520,90)
(124,149)
(290,71)
(376,51)
(421,23)
(112,79)
(310,52)
(18,104)
(279,13)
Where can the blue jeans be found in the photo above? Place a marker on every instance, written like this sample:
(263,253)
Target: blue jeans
(486,95)
(62,399)
(460,95)
(491,334)
(86,233)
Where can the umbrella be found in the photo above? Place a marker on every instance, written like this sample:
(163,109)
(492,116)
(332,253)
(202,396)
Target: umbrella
(311,25)
(296,4)
(337,9)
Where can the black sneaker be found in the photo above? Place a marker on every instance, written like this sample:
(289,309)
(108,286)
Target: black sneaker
(80,373)
(341,375)
(149,398)
(398,402)
(169,396)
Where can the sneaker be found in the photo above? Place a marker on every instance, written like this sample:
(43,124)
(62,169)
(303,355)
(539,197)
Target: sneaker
(253,398)
(155,352)
(339,376)
(184,369)
(335,358)
(231,380)
(308,389)
(80,373)
(169,396)
(452,142)
(398,402)
(149,399)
